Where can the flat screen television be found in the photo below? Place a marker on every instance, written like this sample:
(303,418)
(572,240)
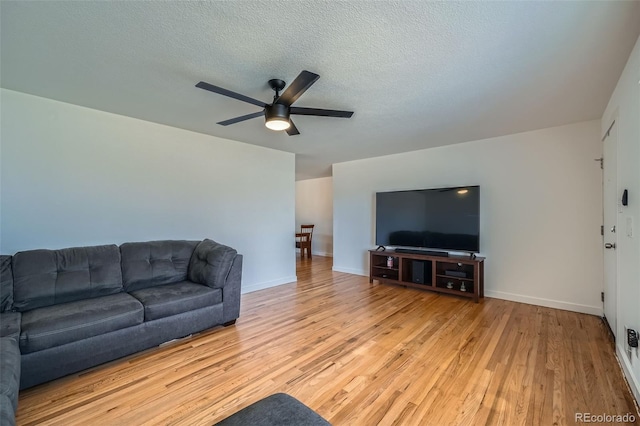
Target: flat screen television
(442,218)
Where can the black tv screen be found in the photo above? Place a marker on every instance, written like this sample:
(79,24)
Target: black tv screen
(442,218)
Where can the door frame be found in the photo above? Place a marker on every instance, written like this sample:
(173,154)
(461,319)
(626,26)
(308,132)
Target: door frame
(607,233)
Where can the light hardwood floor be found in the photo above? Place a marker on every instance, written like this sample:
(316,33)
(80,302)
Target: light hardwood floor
(358,354)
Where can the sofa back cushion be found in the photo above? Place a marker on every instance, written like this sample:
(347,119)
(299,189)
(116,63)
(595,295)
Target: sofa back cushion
(154,263)
(6,284)
(50,277)
(211,263)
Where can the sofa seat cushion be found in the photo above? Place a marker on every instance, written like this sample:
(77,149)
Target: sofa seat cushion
(9,370)
(10,324)
(171,299)
(57,325)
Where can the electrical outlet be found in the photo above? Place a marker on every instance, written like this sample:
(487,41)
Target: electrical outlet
(632,338)
(627,348)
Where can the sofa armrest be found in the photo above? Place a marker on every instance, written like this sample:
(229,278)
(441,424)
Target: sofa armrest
(211,263)
(218,266)
(9,377)
(10,324)
(231,292)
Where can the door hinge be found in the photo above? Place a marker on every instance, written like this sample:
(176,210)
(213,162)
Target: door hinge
(601,160)
(602,296)
(602,230)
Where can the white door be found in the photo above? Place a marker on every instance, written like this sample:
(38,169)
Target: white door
(610,239)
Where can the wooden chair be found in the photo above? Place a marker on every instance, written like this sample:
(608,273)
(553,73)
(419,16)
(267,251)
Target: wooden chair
(303,239)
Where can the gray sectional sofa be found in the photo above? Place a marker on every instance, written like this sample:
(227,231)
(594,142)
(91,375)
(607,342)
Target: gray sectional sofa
(63,311)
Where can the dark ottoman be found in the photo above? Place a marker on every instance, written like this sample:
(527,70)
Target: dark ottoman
(276,410)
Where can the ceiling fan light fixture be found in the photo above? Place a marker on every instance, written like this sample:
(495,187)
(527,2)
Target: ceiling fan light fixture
(277,124)
(277,117)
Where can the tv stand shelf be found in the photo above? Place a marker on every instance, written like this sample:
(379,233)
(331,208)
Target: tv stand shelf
(459,275)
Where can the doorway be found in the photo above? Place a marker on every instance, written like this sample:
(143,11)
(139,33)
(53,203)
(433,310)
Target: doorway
(314,205)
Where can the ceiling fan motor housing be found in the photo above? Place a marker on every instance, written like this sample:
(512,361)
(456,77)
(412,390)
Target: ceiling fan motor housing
(276,111)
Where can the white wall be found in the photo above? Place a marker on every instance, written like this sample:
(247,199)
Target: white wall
(624,108)
(540,210)
(314,205)
(73,176)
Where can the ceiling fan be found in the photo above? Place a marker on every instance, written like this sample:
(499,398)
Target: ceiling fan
(277,114)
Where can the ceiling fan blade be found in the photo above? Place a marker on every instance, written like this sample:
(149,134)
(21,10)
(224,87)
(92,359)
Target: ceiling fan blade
(303,81)
(229,93)
(241,118)
(320,112)
(292,130)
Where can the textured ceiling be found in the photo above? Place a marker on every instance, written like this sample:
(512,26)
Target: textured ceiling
(417,74)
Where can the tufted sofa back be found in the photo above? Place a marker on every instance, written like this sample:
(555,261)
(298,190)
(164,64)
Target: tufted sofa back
(49,277)
(154,263)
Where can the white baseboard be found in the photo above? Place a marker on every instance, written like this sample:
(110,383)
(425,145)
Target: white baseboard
(628,373)
(267,284)
(350,270)
(585,309)
(538,301)
(549,303)
(318,253)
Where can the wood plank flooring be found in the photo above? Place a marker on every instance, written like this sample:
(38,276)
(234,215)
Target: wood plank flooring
(358,354)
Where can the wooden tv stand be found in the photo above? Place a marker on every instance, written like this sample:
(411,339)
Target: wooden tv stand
(439,272)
